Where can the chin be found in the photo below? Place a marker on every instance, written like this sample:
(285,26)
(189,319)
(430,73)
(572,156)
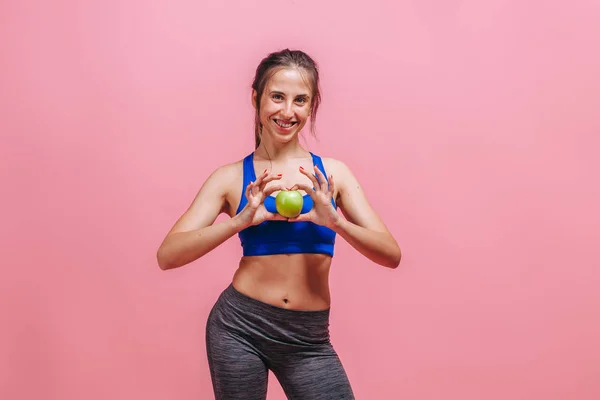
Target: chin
(280,139)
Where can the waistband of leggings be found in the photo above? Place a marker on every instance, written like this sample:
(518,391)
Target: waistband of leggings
(250,304)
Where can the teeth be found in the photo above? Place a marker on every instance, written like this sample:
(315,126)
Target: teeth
(283,125)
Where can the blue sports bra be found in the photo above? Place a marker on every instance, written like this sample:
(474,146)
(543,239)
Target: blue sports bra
(282,237)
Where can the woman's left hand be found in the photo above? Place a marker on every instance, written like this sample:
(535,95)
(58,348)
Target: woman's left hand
(322,213)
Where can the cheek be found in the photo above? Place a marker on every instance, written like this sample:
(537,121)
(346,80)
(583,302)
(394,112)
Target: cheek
(267,109)
(304,113)
(263,114)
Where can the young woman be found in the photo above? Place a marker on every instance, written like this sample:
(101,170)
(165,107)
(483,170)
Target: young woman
(275,313)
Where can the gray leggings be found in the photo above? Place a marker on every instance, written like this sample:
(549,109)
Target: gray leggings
(245,338)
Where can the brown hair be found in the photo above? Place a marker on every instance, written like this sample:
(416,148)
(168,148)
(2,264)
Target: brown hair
(285,59)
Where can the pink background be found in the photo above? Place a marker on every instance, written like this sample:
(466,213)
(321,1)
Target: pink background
(473,126)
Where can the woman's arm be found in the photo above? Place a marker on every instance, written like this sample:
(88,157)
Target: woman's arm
(195,234)
(363,229)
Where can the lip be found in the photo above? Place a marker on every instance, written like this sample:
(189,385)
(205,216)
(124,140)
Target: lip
(284,129)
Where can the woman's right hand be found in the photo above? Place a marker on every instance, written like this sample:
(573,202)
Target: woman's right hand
(255,212)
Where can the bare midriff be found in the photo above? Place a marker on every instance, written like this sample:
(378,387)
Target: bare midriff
(292,281)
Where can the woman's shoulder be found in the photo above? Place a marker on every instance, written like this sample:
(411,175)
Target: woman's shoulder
(341,171)
(228,171)
(334,165)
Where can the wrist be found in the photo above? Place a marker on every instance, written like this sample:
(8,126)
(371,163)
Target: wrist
(238,224)
(338,224)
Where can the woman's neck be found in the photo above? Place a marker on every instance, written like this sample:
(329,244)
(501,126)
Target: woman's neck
(279,151)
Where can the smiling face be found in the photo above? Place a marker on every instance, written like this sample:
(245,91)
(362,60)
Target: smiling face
(285,104)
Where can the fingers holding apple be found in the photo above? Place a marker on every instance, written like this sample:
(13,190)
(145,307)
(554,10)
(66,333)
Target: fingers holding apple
(318,178)
(255,211)
(313,178)
(267,179)
(323,183)
(323,212)
(257,188)
(290,201)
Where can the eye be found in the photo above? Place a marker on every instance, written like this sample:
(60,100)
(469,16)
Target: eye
(277,97)
(301,100)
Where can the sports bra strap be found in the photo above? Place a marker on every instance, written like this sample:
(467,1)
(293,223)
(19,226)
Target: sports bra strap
(319,163)
(249,174)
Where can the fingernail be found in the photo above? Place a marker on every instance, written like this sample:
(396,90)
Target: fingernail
(264,171)
(301,167)
(279,174)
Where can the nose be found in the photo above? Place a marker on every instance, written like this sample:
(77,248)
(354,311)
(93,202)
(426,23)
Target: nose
(287,110)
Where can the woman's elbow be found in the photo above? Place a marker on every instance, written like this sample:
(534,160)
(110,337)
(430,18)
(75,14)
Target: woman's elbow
(395,258)
(163,260)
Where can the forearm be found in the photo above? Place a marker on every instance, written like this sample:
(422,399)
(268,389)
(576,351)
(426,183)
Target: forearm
(181,248)
(379,247)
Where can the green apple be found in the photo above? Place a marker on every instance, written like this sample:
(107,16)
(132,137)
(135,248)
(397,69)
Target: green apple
(289,203)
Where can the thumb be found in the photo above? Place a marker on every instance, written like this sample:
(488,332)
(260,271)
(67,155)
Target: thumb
(301,217)
(276,217)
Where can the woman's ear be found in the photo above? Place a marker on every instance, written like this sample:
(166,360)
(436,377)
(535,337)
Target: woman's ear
(254,94)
